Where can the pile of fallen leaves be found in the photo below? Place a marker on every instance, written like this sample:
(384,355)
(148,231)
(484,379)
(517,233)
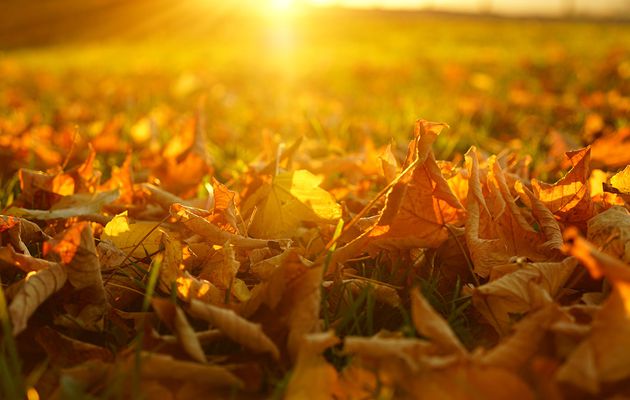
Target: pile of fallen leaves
(158,282)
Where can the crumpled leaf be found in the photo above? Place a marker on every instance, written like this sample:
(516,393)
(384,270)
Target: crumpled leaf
(468,382)
(193,219)
(569,199)
(409,351)
(22,261)
(176,321)
(36,288)
(417,207)
(19,231)
(185,160)
(76,205)
(610,232)
(293,198)
(497,229)
(235,327)
(311,367)
(77,251)
(430,324)
(514,351)
(604,355)
(520,288)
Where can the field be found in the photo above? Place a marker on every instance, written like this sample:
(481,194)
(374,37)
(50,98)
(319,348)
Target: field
(252,208)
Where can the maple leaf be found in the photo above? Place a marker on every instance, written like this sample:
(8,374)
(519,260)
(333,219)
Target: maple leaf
(497,228)
(569,199)
(291,199)
(417,207)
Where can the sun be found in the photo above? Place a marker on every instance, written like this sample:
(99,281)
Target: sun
(281,6)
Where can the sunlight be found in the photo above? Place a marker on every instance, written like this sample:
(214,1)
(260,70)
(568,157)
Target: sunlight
(281,6)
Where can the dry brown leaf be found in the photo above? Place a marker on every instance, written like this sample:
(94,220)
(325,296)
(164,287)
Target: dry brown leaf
(513,352)
(18,232)
(520,288)
(569,199)
(409,351)
(159,366)
(430,324)
(468,382)
(604,355)
(497,229)
(176,321)
(37,287)
(65,351)
(24,262)
(417,208)
(381,292)
(311,367)
(77,251)
(235,327)
(193,219)
(76,205)
(610,232)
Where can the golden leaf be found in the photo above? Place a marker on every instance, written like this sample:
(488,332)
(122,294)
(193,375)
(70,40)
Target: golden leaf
(417,207)
(569,199)
(293,198)
(137,239)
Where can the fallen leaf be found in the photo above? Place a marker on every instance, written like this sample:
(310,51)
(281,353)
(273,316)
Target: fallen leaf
(569,199)
(176,321)
(235,327)
(293,198)
(430,324)
(518,290)
(36,288)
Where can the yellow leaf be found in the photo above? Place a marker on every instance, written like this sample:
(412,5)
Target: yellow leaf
(143,234)
(294,197)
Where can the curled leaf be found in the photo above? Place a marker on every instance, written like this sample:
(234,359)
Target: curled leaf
(235,327)
(37,287)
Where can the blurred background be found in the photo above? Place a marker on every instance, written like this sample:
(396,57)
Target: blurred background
(537,76)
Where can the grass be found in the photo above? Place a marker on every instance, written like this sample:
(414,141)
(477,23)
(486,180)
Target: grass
(365,75)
